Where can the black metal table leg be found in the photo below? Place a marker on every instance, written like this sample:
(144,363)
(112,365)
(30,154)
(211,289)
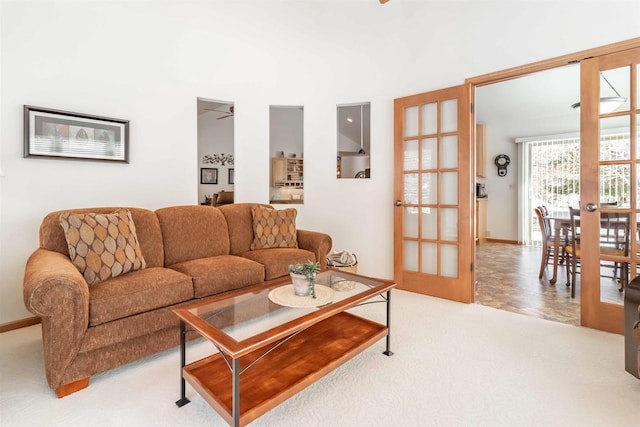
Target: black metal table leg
(183,398)
(388,352)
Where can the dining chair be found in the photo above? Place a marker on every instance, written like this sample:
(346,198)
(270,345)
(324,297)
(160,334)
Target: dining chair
(548,237)
(605,232)
(572,250)
(614,241)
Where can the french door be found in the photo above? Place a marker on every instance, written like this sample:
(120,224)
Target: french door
(604,167)
(433,191)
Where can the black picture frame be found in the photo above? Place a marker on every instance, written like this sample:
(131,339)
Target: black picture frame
(231,176)
(208,175)
(57,134)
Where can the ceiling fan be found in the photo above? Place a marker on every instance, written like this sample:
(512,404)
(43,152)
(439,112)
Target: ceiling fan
(383,1)
(228,113)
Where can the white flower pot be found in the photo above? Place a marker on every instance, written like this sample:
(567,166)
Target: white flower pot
(300,284)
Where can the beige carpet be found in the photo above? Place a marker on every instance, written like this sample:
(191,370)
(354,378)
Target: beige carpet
(454,365)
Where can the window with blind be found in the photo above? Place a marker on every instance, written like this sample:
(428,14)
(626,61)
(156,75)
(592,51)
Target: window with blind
(554,175)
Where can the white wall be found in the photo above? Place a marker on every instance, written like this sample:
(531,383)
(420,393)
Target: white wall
(148,62)
(214,137)
(286,131)
(535,105)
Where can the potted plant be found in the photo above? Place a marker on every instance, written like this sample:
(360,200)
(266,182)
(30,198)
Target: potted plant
(303,276)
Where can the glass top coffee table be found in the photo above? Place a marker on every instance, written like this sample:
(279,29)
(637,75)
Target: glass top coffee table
(272,344)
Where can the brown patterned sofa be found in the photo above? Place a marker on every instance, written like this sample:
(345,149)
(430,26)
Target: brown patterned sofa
(190,252)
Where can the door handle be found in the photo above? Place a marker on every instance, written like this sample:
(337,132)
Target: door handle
(591,207)
(398,203)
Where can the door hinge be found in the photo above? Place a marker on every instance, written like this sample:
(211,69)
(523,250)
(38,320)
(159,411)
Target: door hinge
(472,267)
(472,108)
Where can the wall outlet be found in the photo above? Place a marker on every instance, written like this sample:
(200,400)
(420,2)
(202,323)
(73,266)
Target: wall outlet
(487,233)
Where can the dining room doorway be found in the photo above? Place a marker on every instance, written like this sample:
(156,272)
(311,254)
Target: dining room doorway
(608,318)
(540,136)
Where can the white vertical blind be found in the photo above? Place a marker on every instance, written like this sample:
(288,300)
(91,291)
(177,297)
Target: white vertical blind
(554,176)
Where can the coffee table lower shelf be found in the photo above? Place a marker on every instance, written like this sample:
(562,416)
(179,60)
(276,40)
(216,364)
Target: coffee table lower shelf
(284,371)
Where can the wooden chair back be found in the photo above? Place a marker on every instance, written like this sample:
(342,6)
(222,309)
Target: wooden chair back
(544,223)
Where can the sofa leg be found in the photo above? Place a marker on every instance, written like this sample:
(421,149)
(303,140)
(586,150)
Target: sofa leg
(67,389)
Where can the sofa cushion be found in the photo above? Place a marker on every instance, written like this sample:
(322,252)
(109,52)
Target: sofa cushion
(276,260)
(240,225)
(102,246)
(192,232)
(274,228)
(147,227)
(220,274)
(137,292)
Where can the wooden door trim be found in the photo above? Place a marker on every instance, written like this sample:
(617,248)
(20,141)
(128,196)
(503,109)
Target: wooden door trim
(547,64)
(604,316)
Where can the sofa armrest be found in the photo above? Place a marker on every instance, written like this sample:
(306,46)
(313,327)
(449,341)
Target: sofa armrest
(316,242)
(55,290)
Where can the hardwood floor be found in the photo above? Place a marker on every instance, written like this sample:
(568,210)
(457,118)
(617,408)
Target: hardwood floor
(507,278)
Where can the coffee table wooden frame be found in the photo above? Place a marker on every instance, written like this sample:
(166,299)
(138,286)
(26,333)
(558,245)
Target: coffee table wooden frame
(300,351)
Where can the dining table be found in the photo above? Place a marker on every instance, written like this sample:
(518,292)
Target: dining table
(561,228)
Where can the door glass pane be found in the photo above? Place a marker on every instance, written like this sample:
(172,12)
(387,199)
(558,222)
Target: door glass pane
(429,188)
(429,223)
(410,121)
(449,188)
(609,284)
(637,187)
(411,188)
(410,255)
(614,138)
(449,116)
(614,241)
(430,119)
(637,236)
(411,155)
(449,224)
(615,90)
(410,221)
(638,135)
(449,260)
(637,84)
(430,258)
(430,153)
(449,152)
(615,184)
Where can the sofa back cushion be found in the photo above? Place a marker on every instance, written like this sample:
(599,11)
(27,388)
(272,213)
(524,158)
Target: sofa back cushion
(192,232)
(102,246)
(240,223)
(147,228)
(274,228)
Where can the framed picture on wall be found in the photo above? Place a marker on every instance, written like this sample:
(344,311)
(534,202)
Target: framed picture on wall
(231,176)
(208,175)
(63,134)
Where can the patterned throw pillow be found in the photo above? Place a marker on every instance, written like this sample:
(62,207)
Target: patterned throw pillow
(274,228)
(102,246)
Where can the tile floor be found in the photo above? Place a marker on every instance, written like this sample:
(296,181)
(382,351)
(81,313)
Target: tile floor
(507,278)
